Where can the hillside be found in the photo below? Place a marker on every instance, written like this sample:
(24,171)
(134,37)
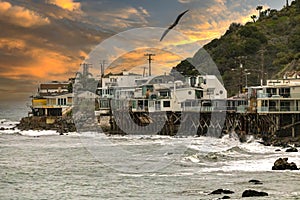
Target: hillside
(267,47)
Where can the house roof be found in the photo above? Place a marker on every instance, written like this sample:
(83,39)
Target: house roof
(45,86)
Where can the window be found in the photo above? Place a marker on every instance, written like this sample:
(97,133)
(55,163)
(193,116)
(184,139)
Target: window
(164,93)
(200,80)
(188,104)
(193,81)
(199,94)
(285,92)
(133,104)
(285,106)
(210,91)
(61,101)
(166,104)
(99,92)
(157,105)
(113,80)
(159,80)
(151,104)
(271,91)
(104,104)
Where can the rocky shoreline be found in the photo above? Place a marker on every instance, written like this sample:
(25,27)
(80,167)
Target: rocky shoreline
(276,141)
(66,124)
(60,124)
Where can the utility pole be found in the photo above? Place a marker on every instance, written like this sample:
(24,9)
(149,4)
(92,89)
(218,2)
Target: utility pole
(102,65)
(241,59)
(149,55)
(262,66)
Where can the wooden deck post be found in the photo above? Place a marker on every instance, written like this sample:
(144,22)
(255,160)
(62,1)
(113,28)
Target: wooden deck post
(293,125)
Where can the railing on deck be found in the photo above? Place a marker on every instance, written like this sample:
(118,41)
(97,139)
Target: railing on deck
(281,109)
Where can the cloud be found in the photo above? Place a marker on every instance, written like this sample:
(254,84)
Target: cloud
(212,20)
(121,19)
(184,1)
(40,64)
(144,11)
(135,61)
(11,44)
(20,16)
(69,5)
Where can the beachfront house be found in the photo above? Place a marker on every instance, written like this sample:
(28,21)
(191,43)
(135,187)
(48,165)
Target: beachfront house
(277,96)
(53,99)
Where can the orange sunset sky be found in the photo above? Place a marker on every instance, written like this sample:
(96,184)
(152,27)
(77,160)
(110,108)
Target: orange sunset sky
(45,40)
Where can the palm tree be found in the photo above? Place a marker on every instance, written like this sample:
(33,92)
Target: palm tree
(83,78)
(259,8)
(253,17)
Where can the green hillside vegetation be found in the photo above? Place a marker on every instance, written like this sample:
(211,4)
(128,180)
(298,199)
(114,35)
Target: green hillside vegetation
(267,47)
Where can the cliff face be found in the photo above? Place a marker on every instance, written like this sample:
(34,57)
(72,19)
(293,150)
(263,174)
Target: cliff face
(267,47)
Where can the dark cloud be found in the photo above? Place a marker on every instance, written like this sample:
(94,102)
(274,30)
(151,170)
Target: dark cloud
(12,89)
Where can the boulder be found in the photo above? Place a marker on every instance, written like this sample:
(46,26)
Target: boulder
(253,193)
(283,164)
(255,182)
(292,149)
(225,197)
(222,191)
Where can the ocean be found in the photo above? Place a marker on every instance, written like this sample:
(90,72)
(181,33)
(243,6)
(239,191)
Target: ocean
(46,165)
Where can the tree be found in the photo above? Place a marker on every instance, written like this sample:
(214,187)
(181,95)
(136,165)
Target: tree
(259,8)
(297,3)
(253,17)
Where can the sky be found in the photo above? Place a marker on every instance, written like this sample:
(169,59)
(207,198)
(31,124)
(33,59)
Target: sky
(45,40)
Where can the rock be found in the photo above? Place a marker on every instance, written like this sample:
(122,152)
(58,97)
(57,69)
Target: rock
(283,164)
(277,150)
(2,129)
(225,197)
(61,124)
(222,191)
(292,149)
(253,193)
(255,182)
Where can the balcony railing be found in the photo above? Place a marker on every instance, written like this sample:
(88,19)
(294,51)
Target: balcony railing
(282,109)
(282,95)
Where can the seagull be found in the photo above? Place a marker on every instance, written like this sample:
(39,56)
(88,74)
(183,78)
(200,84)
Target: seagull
(173,25)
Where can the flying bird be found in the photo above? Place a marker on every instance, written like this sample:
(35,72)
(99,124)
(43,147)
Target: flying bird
(173,25)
